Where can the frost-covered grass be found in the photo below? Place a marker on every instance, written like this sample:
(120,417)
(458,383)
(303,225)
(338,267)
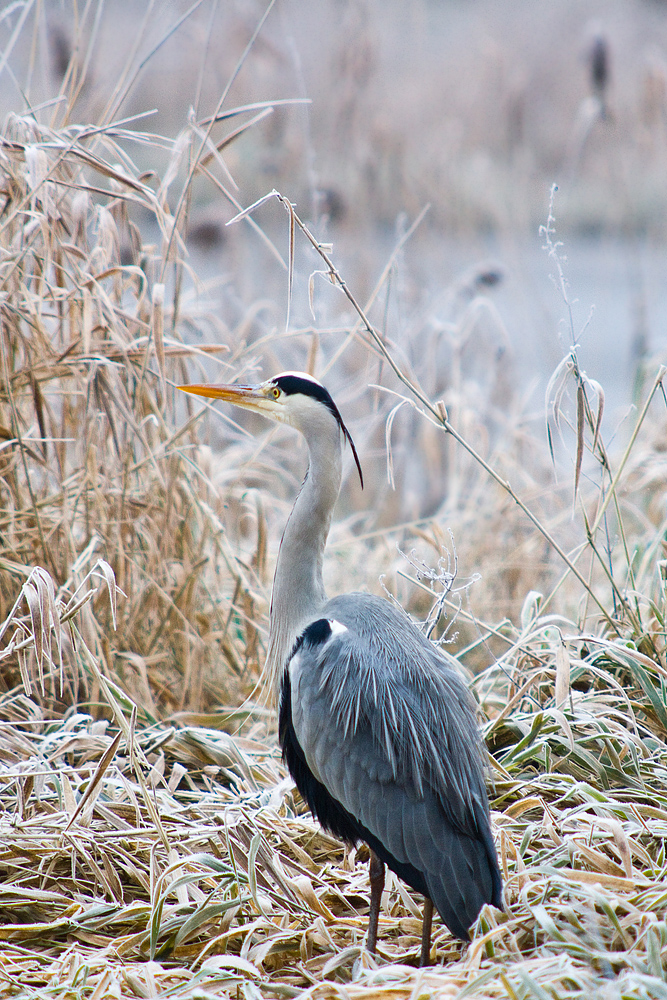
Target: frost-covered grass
(149,842)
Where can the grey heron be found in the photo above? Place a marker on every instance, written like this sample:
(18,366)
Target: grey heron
(377,728)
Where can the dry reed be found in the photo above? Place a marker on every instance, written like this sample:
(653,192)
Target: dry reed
(148,849)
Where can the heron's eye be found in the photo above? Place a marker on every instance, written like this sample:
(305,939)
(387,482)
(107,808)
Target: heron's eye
(276,393)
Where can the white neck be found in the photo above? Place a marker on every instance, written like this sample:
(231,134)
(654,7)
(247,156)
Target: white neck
(298,590)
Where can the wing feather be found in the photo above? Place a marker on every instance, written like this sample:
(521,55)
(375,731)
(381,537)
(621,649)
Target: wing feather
(388,727)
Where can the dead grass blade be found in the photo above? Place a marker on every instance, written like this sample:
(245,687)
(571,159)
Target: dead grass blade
(150,840)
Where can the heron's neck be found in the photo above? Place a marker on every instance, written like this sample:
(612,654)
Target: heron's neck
(298,590)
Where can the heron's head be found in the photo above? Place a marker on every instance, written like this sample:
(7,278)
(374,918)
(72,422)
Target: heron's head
(293,398)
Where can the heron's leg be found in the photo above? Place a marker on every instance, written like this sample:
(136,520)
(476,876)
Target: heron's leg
(376,872)
(425,957)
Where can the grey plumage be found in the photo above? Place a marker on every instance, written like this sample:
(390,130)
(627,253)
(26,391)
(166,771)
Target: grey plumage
(377,726)
(401,755)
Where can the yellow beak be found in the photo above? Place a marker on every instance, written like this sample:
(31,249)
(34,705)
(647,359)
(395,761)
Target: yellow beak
(249,396)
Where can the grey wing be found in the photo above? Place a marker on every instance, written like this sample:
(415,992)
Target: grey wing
(438,825)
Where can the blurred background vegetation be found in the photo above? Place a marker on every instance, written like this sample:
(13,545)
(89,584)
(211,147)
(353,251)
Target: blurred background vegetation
(512,430)
(422,140)
(475,108)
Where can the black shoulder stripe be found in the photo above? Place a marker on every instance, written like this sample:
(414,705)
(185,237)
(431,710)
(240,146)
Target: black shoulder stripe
(317,632)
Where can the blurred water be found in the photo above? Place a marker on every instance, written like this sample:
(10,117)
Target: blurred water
(617,293)
(618,296)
